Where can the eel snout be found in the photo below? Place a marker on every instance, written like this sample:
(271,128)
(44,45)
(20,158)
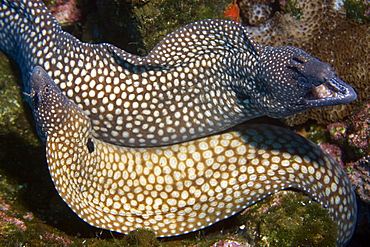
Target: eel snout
(332,92)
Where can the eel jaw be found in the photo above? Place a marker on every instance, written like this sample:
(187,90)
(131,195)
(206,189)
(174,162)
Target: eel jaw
(332,92)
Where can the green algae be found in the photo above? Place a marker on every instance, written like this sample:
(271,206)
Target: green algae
(158,18)
(358,10)
(317,133)
(290,219)
(142,238)
(293,10)
(13,118)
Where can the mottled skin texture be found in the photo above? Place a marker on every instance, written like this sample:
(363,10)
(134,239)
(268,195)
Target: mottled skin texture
(183,187)
(201,79)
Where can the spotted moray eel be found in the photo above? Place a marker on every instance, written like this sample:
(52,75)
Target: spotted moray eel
(201,79)
(183,187)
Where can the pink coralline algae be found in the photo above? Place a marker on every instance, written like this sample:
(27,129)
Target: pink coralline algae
(66,12)
(334,151)
(63,240)
(360,128)
(337,130)
(354,134)
(353,137)
(359,139)
(7,220)
(16,222)
(230,243)
(359,174)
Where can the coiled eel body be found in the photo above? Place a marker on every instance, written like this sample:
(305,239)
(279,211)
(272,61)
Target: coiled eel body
(183,187)
(201,79)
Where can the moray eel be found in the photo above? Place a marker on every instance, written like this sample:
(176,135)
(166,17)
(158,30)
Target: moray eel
(201,79)
(183,187)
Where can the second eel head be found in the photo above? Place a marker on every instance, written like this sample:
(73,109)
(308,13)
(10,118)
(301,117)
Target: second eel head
(48,102)
(289,80)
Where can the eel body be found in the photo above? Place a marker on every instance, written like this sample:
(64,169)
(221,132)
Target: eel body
(201,79)
(182,187)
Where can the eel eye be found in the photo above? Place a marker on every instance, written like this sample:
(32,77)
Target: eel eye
(46,89)
(90,145)
(303,81)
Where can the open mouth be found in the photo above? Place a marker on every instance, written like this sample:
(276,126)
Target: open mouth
(325,90)
(332,92)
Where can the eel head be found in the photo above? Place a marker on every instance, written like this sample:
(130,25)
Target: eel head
(47,101)
(289,81)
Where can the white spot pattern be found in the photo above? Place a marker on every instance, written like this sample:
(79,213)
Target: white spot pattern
(201,79)
(166,83)
(183,187)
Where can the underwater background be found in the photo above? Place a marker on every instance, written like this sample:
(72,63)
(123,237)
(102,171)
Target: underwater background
(336,32)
